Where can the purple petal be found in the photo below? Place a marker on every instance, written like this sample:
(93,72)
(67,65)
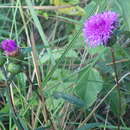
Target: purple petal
(9,45)
(99,28)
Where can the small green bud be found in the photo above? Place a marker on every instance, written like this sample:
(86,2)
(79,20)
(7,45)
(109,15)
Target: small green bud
(14,68)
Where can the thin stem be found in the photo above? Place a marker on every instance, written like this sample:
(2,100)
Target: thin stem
(39,82)
(9,93)
(42,99)
(14,108)
(118,86)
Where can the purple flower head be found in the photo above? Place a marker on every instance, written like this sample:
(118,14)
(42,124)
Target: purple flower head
(9,46)
(99,28)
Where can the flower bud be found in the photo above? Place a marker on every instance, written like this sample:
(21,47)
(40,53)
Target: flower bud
(14,68)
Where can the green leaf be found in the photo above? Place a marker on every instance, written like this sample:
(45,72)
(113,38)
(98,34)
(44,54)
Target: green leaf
(3,116)
(71,99)
(70,45)
(57,54)
(89,85)
(54,86)
(42,128)
(115,101)
(124,39)
(125,5)
(96,50)
(62,74)
(26,50)
(90,10)
(90,126)
(2,77)
(79,43)
(40,30)
(105,69)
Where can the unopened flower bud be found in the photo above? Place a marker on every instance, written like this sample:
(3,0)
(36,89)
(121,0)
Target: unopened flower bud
(14,68)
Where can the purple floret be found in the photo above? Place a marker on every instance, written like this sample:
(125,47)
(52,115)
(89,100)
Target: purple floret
(99,28)
(9,46)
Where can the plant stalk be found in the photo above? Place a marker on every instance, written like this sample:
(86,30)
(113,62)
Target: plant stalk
(118,86)
(10,98)
(42,99)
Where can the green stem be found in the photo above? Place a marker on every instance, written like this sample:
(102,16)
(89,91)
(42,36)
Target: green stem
(118,86)
(16,117)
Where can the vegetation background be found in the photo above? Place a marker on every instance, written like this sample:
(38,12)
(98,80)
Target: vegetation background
(64,84)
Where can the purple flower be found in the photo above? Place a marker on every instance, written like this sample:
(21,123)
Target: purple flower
(99,28)
(10,47)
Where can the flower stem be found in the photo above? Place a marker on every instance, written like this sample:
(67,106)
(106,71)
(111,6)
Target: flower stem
(118,86)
